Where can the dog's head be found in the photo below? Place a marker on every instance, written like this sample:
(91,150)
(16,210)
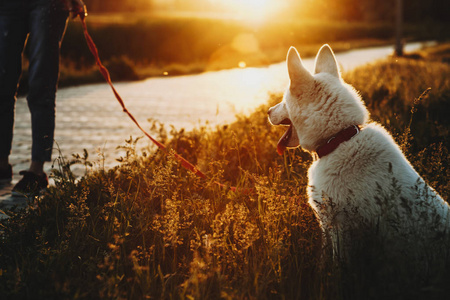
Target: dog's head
(315,106)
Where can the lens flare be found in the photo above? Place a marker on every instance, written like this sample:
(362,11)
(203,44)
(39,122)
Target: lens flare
(250,10)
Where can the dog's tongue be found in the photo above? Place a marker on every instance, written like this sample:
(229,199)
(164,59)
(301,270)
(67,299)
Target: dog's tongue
(282,143)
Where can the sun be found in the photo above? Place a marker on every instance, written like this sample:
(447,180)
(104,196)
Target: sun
(251,10)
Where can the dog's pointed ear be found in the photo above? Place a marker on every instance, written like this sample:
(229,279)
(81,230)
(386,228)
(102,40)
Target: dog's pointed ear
(299,76)
(326,62)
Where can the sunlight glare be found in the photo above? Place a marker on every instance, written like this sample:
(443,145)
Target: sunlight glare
(251,10)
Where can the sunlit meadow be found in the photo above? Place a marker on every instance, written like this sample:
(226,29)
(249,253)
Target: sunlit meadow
(149,229)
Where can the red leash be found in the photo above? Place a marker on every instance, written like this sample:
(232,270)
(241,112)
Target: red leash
(186,164)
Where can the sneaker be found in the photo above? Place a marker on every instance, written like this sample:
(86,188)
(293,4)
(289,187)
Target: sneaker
(6,175)
(30,185)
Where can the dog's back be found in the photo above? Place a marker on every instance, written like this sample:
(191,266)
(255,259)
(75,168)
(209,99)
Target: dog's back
(370,174)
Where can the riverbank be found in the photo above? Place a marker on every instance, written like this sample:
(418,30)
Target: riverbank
(135,47)
(88,116)
(150,229)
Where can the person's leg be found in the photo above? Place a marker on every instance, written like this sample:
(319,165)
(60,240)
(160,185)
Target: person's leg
(47,22)
(13,26)
(47,25)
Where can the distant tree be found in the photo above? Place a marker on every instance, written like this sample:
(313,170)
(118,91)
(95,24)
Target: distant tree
(370,10)
(118,5)
(431,10)
(93,5)
(399,28)
(375,10)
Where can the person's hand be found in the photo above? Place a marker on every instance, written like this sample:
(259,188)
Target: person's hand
(76,8)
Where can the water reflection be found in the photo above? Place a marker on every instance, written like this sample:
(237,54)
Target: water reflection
(90,117)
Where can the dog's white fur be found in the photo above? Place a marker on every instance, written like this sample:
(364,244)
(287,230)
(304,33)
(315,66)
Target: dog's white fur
(368,174)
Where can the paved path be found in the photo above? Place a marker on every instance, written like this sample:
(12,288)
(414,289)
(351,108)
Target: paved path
(89,117)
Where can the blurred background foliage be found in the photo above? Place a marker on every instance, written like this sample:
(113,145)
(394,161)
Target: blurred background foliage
(344,10)
(144,38)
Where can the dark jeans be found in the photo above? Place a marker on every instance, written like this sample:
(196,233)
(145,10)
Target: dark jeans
(44,22)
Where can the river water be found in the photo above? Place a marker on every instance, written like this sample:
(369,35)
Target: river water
(89,117)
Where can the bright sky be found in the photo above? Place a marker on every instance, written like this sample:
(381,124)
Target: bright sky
(253,10)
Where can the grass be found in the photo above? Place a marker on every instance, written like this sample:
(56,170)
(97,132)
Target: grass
(150,229)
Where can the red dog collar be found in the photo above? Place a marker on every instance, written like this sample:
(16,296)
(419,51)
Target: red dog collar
(336,140)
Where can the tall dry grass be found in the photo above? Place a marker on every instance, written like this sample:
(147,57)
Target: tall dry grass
(150,229)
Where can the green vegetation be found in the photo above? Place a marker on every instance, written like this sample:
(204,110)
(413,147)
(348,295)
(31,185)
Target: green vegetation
(150,229)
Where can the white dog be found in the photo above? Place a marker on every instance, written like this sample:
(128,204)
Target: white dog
(360,175)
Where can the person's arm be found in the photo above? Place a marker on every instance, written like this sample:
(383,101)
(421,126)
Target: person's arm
(76,7)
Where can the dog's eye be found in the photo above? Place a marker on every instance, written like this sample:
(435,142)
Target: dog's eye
(286,122)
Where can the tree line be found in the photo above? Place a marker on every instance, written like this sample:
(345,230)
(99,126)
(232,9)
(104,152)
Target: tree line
(347,10)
